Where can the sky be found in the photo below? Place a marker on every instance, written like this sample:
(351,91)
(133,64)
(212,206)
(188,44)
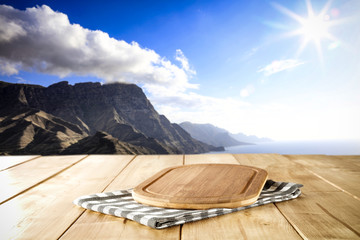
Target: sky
(287,70)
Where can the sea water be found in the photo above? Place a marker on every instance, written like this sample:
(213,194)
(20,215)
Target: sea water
(338,147)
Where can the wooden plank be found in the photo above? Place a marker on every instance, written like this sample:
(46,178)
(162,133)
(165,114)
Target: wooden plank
(340,171)
(322,211)
(92,225)
(46,211)
(324,215)
(282,169)
(16,180)
(354,159)
(263,222)
(10,161)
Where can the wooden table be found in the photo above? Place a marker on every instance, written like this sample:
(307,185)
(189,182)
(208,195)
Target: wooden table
(37,193)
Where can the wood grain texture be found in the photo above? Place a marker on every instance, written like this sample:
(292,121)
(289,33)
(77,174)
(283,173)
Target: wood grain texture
(202,186)
(46,211)
(11,161)
(264,222)
(281,169)
(92,225)
(341,171)
(322,211)
(18,179)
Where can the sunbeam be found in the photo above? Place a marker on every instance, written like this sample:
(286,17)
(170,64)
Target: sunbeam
(313,28)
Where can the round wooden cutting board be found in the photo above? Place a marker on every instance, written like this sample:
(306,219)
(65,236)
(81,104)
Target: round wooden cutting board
(202,186)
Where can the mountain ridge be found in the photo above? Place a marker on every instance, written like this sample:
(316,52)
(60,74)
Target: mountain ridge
(211,134)
(32,131)
(118,109)
(216,136)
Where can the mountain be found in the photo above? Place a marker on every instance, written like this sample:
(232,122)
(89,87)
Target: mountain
(103,143)
(210,134)
(31,131)
(120,110)
(249,138)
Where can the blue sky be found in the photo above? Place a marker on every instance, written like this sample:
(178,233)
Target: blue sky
(257,67)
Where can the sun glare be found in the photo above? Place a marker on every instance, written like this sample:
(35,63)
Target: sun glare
(313,28)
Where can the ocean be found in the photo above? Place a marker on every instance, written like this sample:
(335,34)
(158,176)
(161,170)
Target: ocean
(345,147)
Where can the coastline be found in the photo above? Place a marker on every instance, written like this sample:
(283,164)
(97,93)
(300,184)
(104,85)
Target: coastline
(327,147)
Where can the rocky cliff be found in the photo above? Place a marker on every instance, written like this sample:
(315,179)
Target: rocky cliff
(120,110)
(103,143)
(31,131)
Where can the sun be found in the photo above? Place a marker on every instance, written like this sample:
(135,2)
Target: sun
(313,28)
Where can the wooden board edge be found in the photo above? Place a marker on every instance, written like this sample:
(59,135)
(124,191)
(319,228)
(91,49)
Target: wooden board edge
(141,196)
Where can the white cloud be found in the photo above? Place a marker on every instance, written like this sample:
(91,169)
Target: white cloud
(8,68)
(10,30)
(40,39)
(280,65)
(189,106)
(184,62)
(245,92)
